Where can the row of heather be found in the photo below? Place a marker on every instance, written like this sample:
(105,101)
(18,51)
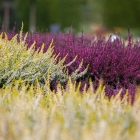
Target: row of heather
(116,62)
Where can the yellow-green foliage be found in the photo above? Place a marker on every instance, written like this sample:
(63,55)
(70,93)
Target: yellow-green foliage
(36,113)
(18,62)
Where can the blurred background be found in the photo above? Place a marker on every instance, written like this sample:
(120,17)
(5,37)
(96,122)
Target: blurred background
(90,16)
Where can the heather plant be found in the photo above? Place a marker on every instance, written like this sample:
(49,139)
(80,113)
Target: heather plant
(30,64)
(39,113)
(115,62)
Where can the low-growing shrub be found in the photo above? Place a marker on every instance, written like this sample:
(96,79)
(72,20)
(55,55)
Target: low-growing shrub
(16,61)
(37,113)
(116,62)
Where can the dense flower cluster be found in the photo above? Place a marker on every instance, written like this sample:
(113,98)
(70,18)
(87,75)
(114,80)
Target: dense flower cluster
(116,62)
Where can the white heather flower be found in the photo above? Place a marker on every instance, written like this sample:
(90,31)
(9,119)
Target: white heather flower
(113,37)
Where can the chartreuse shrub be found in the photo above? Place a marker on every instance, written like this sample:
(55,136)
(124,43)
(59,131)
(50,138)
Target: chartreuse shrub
(37,113)
(16,61)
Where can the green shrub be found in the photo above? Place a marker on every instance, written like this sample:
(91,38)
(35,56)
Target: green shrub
(19,62)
